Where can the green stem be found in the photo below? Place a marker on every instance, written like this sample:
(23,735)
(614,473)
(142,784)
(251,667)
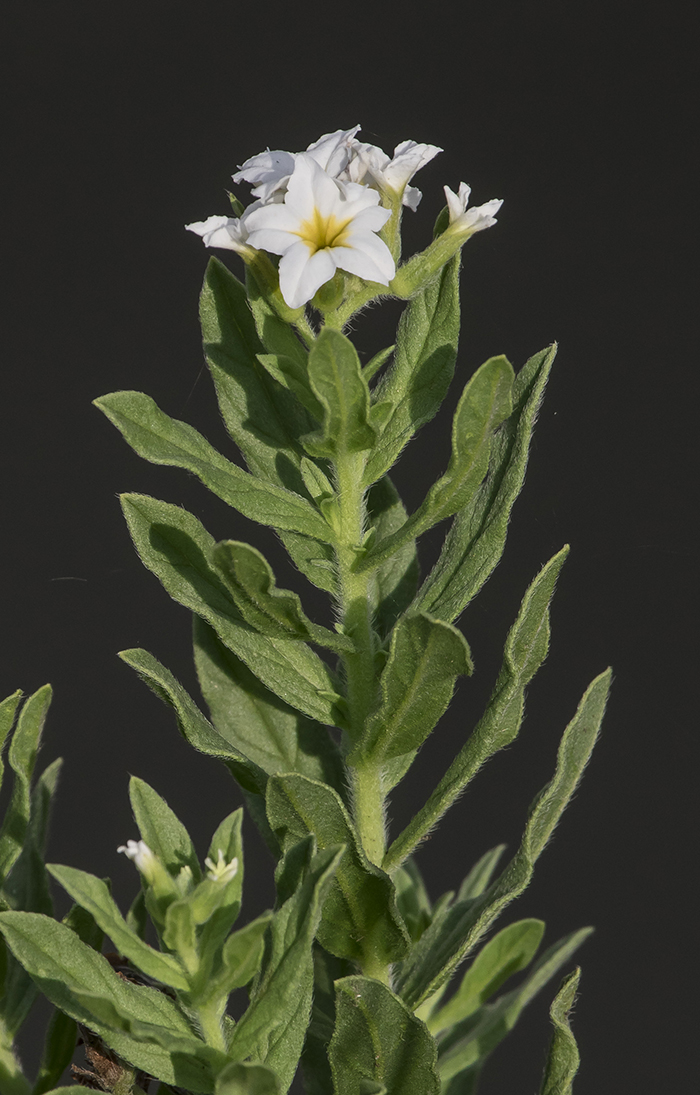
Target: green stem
(359,667)
(209,1019)
(12,1079)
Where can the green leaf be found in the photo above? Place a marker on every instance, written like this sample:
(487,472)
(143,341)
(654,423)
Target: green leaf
(180,935)
(92,894)
(563,1059)
(241,956)
(396,580)
(27,888)
(162,831)
(335,376)
(510,950)
(244,1078)
(471,1042)
(8,710)
(68,972)
(316,1068)
(272,734)
(271,611)
(163,440)
(177,549)
(525,650)
(262,418)
(360,913)
(22,757)
(441,949)
(485,402)
(477,537)
(193,726)
(424,362)
(378,1039)
(277,336)
(425,658)
(272,1030)
(12,1078)
(293,374)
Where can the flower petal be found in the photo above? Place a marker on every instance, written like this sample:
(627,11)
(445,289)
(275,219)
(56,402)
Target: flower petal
(302,273)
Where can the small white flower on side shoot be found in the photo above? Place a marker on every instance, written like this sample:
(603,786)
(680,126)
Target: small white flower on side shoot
(139,852)
(467,221)
(221,871)
(320,227)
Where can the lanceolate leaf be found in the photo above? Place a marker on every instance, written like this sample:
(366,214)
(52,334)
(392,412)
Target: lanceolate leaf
(174,545)
(270,732)
(360,910)
(443,947)
(424,362)
(508,951)
(193,726)
(244,1078)
(469,1044)
(263,418)
(525,650)
(477,537)
(69,973)
(22,757)
(164,440)
(91,893)
(8,710)
(378,1039)
(161,829)
(271,611)
(484,404)
(425,658)
(563,1060)
(335,375)
(272,1029)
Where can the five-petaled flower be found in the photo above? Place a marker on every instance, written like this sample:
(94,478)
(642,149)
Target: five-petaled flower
(221,871)
(321,226)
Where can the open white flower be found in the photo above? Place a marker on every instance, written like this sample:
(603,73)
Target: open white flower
(228,232)
(221,871)
(467,221)
(270,171)
(320,227)
(372,166)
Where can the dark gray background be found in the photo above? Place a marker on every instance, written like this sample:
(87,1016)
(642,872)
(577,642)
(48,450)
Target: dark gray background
(126,121)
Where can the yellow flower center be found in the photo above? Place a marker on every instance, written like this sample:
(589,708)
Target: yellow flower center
(319,232)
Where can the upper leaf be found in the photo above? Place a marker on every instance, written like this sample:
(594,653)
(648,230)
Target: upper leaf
(161,829)
(425,658)
(424,362)
(174,545)
(477,537)
(335,375)
(164,440)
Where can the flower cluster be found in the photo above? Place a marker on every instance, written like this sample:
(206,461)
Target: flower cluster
(328,209)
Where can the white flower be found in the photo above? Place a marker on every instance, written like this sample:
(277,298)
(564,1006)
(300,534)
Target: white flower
(320,227)
(228,232)
(221,871)
(473,220)
(371,165)
(140,853)
(271,171)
